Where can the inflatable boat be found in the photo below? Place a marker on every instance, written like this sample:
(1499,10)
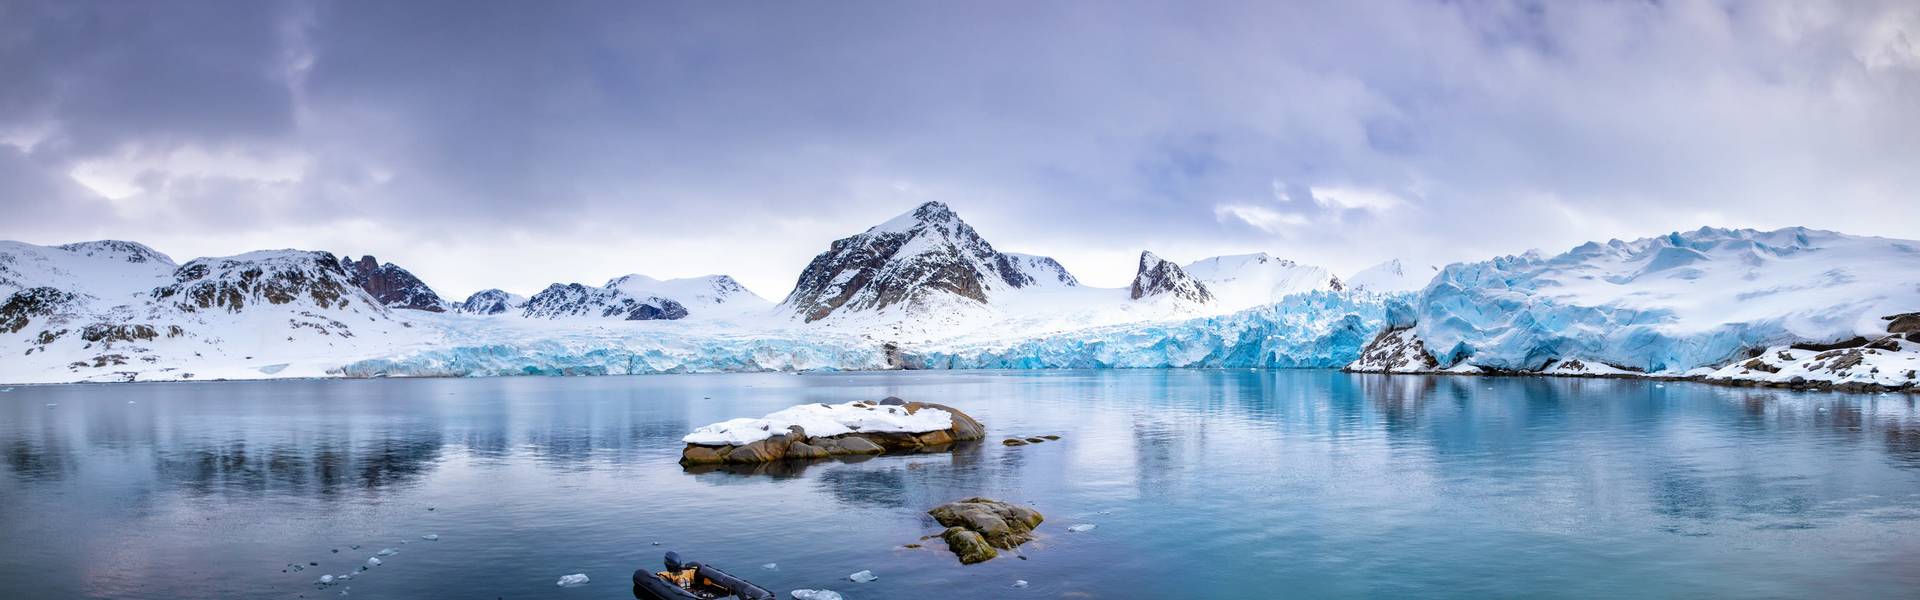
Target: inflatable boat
(693,581)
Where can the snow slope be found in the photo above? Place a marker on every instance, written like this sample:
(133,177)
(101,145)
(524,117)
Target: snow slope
(1243,281)
(1668,304)
(1392,276)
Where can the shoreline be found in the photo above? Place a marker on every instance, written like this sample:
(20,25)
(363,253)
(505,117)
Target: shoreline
(1806,386)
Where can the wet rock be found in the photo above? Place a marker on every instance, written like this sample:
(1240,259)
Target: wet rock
(858,445)
(998,524)
(1051,437)
(799,450)
(1036,440)
(1013,442)
(970,546)
(703,455)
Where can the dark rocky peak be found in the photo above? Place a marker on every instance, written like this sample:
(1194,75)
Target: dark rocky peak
(391,285)
(1159,277)
(576,300)
(924,254)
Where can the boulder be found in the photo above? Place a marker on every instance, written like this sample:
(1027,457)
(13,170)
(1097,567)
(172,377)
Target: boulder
(1003,525)
(968,545)
(703,455)
(1904,323)
(803,450)
(767,450)
(858,445)
(935,438)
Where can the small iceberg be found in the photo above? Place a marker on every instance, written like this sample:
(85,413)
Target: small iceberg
(1020,583)
(325,580)
(816,595)
(1082,528)
(574,580)
(373,562)
(863,577)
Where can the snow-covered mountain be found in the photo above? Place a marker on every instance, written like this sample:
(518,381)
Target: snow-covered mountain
(1392,276)
(490,302)
(391,285)
(576,300)
(112,310)
(1156,278)
(1672,304)
(1244,281)
(922,262)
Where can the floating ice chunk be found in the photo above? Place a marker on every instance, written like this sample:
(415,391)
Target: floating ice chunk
(863,577)
(431,537)
(373,562)
(343,576)
(816,595)
(1082,528)
(52,404)
(129,402)
(325,580)
(574,580)
(1020,583)
(386,552)
(771,566)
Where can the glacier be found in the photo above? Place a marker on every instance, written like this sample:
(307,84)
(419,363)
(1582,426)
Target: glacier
(629,353)
(1667,304)
(1315,329)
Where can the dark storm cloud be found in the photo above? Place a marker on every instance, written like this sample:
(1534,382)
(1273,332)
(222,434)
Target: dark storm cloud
(1338,131)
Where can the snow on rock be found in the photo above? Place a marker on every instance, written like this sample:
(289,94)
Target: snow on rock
(1156,277)
(491,302)
(1890,363)
(1316,329)
(576,300)
(1392,276)
(822,420)
(1668,304)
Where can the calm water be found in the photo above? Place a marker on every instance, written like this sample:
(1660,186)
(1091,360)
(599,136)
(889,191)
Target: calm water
(1202,483)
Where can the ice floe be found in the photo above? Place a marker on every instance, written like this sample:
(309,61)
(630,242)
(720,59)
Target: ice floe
(574,580)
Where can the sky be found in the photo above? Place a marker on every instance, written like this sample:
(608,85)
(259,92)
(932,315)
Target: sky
(514,144)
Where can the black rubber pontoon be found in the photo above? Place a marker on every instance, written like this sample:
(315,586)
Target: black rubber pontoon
(707,583)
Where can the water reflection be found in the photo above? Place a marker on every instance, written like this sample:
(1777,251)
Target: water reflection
(1309,479)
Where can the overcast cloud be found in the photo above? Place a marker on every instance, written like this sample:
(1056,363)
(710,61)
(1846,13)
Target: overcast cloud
(513,144)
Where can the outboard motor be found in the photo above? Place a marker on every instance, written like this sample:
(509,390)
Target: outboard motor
(673,561)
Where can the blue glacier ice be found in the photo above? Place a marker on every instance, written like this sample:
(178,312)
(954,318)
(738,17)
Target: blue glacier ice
(1667,304)
(637,354)
(1315,329)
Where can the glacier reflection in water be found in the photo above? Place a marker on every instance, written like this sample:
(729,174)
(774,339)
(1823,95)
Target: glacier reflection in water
(1203,483)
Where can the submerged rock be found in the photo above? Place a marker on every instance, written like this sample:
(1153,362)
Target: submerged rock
(977,526)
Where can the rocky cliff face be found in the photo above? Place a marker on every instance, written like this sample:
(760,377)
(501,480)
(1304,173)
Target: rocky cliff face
(922,256)
(576,300)
(391,285)
(1158,277)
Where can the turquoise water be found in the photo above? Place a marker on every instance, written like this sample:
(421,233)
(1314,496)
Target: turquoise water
(1203,484)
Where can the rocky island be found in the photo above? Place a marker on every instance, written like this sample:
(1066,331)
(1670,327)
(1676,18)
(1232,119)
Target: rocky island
(820,430)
